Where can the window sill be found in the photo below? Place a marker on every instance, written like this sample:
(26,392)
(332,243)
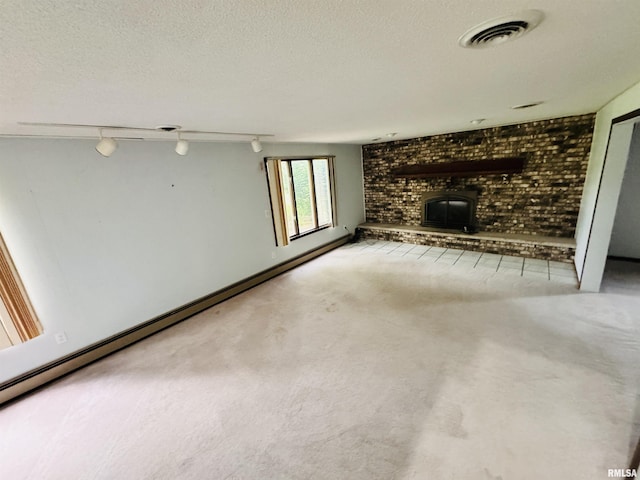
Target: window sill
(295,237)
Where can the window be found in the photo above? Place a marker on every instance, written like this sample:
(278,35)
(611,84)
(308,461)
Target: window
(302,198)
(18,321)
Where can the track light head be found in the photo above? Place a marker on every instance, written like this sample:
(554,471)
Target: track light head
(182,146)
(106,146)
(256,144)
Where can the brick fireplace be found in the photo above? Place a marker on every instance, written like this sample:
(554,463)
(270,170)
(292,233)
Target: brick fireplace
(537,205)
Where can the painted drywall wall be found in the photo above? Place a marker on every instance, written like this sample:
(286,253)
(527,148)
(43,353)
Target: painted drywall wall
(591,228)
(104,244)
(625,237)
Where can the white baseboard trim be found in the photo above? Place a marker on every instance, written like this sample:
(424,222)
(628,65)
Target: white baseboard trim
(26,382)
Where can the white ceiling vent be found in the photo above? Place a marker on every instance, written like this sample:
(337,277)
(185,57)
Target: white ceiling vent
(500,30)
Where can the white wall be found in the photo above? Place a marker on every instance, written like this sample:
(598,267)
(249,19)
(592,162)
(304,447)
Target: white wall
(625,237)
(593,229)
(103,244)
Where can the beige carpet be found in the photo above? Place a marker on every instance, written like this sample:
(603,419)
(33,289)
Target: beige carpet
(353,366)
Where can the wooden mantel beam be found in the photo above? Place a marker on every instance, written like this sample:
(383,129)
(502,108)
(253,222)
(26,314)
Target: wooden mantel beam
(465,168)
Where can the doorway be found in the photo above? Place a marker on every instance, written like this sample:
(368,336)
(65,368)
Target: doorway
(622,270)
(621,137)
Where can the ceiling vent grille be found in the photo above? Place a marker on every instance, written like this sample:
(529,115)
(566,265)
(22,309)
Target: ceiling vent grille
(500,30)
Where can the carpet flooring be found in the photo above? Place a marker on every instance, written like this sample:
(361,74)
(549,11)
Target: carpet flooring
(357,365)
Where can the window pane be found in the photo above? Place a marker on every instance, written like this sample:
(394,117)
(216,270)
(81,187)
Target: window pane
(323,191)
(288,198)
(301,183)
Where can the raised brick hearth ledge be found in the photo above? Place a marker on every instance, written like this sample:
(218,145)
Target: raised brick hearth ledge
(530,246)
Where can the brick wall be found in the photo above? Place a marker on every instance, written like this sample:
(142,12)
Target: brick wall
(543,200)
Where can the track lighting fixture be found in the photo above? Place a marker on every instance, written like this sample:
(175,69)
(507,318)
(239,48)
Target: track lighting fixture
(106,146)
(256,145)
(182,146)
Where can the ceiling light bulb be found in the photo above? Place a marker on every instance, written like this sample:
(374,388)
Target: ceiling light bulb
(478,121)
(182,146)
(106,146)
(256,145)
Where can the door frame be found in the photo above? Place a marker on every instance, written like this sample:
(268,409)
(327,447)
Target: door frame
(607,197)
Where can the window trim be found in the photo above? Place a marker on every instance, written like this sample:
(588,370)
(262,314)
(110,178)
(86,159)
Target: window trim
(276,195)
(22,318)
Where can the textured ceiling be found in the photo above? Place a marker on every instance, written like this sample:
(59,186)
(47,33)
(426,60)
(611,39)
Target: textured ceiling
(306,70)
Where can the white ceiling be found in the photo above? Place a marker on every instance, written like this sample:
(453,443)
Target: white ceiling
(306,70)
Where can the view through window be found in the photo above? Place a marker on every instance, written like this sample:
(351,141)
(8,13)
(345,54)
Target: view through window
(306,189)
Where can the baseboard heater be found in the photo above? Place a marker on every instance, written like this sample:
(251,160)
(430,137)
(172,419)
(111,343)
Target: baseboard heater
(40,376)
